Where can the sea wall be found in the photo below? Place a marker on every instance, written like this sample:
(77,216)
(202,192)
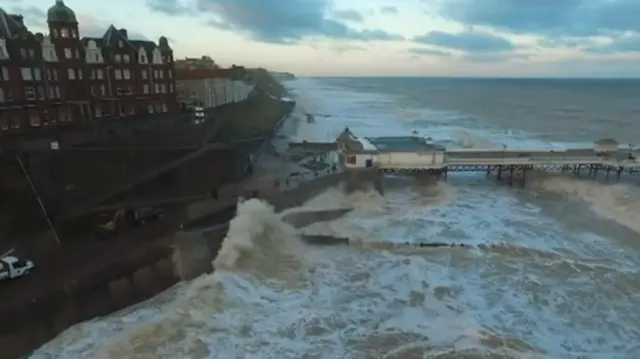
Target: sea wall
(139,275)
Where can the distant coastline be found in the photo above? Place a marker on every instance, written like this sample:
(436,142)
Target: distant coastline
(283,76)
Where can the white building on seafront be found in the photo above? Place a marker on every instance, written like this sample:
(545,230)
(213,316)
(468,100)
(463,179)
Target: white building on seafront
(389,152)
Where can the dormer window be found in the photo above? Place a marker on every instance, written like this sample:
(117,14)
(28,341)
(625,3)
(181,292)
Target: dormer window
(74,33)
(64,32)
(120,44)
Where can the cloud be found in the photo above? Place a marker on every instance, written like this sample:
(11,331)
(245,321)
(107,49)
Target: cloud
(347,48)
(347,15)
(547,17)
(389,10)
(33,16)
(273,21)
(427,52)
(469,42)
(89,26)
(170,7)
(623,44)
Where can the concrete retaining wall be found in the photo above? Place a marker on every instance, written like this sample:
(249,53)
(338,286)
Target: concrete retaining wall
(141,277)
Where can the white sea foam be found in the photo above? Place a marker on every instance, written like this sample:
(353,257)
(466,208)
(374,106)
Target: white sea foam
(537,287)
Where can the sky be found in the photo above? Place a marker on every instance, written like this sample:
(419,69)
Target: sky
(486,38)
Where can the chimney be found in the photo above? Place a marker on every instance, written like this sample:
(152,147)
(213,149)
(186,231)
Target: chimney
(124,33)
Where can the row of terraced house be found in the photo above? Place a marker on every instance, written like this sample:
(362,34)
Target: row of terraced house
(63,78)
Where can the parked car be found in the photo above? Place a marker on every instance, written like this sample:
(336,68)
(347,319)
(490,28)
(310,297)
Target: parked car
(12,267)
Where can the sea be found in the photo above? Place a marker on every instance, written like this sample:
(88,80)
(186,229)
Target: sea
(551,270)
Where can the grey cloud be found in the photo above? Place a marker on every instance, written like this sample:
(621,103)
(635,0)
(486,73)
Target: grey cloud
(347,15)
(33,16)
(273,21)
(169,7)
(427,52)
(547,17)
(389,10)
(470,41)
(623,44)
(495,57)
(347,48)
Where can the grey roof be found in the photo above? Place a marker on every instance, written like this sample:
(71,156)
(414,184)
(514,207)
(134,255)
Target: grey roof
(9,26)
(403,144)
(60,12)
(112,36)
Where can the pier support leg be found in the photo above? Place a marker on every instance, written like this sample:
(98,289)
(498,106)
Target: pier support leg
(578,170)
(488,170)
(511,176)
(363,179)
(608,171)
(499,172)
(619,172)
(524,175)
(596,168)
(446,173)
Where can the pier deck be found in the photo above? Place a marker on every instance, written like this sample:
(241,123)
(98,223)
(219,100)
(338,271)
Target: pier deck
(412,154)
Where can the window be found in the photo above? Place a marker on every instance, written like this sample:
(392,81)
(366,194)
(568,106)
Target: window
(26,74)
(103,91)
(30,93)
(126,74)
(54,33)
(80,74)
(58,92)
(170,73)
(51,93)
(98,112)
(34,118)
(96,57)
(48,72)
(143,59)
(121,110)
(64,32)
(3,53)
(52,54)
(100,74)
(67,53)
(55,75)
(5,73)
(23,54)
(92,75)
(150,109)
(3,124)
(120,44)
(32,54)
(155,74)
(117,58)
(1,95)
(351,160)
(93,91)
(125,58)
(62,115)
(74,33)
(145,88)
(161,74)
(164,107)
(170,88)
(120,91)
(130,110)
(71,73)
(144,74)
(118,74)
(156,88)
(163,88)
(77,54)
(16,122)
(37,74)
(41,93)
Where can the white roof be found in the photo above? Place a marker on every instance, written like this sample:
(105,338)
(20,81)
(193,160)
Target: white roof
(367,145)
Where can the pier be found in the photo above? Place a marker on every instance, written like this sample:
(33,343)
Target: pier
(371,157)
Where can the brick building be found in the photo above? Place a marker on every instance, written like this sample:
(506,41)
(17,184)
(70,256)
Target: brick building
(62,78)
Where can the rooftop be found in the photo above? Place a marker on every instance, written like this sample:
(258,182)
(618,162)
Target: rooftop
(403,144)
